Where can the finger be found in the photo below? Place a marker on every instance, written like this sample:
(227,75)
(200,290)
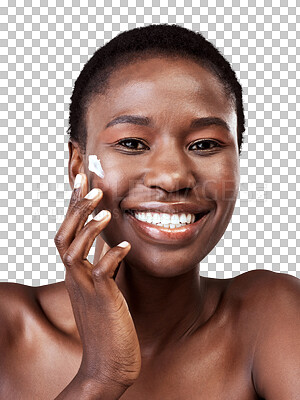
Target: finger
(78,275)
(75,219)
(82,209)
(104,270)
(80,192)
(81,245)
(80,189)
(105,249)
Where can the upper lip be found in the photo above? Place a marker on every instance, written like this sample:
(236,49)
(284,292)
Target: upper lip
(169,208)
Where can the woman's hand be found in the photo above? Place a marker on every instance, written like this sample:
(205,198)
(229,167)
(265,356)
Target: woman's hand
(111,351)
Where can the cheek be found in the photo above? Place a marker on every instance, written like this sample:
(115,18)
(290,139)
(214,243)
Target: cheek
(115,185)
(221,181)
(122,174)
(104,173)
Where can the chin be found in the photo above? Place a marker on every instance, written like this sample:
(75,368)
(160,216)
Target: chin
(164,264)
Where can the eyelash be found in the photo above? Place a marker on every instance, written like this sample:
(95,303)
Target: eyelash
(216,144)
(121,143)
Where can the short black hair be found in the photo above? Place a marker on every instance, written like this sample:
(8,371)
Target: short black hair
(129,46)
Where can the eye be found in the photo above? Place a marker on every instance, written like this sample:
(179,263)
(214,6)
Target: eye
(204,145)
(132,144)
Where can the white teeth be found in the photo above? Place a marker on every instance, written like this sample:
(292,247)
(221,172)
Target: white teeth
(156,218)
(182,219)
(175,219)
(170,221)
(149,217)
(165,218)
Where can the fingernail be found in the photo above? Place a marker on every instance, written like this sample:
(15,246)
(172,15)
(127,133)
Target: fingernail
(92,194)
(101,215)
(77,182)
(123,244)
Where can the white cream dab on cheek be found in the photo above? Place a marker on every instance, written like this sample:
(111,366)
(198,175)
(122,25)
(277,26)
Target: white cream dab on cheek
(95,166)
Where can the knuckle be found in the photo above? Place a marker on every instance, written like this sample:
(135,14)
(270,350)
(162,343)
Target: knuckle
(98,274)
(107,265)
(77,209)
(69,259)
(73,200)
(59,240)
(82,209)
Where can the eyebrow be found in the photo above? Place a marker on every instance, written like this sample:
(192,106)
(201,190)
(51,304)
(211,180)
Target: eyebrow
(145,121)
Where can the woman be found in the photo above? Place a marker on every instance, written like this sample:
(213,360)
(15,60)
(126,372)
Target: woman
(156,125)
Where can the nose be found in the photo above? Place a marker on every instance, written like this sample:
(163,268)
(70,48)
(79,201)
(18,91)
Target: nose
(169,169)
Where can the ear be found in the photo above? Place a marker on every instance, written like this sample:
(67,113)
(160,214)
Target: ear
(76,162)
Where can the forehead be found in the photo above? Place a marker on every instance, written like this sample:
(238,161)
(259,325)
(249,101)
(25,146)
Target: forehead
(165,86)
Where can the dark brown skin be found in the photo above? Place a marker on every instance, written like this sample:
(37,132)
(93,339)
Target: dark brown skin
(159,330)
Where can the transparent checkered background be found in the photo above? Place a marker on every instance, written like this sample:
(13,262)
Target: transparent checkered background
(44,45)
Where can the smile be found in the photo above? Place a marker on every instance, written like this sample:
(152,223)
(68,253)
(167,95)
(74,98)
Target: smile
(165,227)
(170,221)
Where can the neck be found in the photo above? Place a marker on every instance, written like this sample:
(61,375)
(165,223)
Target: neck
(164,310)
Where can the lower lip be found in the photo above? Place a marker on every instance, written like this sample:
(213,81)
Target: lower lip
(159,233)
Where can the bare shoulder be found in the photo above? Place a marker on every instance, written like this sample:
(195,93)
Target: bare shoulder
(25,308)
(267,301)
(15,299)
(16,306)
(271,302)
(263,287)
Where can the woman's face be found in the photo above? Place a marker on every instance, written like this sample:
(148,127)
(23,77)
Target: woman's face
(180,156)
